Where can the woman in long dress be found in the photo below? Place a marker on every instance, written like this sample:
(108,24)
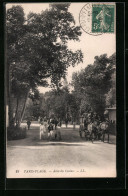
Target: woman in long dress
(43,127)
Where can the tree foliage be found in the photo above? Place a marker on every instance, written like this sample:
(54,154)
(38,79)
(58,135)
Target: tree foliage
(94,90)
(37,47)
(111,95)
(93,83)
(60,103)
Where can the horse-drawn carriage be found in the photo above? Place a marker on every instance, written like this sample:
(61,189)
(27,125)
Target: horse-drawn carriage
(94,130)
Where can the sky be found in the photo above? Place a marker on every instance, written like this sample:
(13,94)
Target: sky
(90,45)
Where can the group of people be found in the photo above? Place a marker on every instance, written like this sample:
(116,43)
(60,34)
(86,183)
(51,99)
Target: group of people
(93,126)
(51,128)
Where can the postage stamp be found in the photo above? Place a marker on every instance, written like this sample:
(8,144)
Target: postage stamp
(97,18)
(103,18)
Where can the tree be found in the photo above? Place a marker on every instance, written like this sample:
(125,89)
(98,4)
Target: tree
(62,104)
(111,95)
(37,48)
(36,105)
(93,83)
(57,103)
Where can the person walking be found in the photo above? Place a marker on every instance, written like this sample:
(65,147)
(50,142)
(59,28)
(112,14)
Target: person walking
(74,125)
(55,122)
(45,122)
(42,130)
(41,120)
(52,122)
(60,123)
(66,122)
(85,124)
(28,124)
(50,131)
(58,131)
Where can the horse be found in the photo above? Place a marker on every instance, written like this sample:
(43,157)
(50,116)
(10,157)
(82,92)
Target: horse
(88,131)
(96,132)
(93,131)
(104,127)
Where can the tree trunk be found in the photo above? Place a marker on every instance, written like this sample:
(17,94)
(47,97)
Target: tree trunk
(17,104)
(8,91)
(11,121)
(24,107)
(7,94)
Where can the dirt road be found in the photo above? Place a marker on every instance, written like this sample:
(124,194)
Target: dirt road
(70,157)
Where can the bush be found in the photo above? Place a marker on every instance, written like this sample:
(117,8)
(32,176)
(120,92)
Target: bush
(15,133)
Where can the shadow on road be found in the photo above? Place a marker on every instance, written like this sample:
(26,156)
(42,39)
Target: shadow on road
(61,144)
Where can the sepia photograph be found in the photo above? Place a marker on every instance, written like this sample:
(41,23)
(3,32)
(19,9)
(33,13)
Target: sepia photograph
(60,90)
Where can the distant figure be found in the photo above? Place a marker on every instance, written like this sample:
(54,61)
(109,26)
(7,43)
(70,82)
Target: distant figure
(95,116)
(28,124)
(74,124)
(50,130)
(55,123)
(106,114)
(41,119)
(81,129)
(58,131)
(66,122)
(60,123)
(99,119)
(52,121)
(42,129)
(85,123)
(45,122)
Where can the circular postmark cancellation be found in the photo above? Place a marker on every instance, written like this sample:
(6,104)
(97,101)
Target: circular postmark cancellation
(96,18)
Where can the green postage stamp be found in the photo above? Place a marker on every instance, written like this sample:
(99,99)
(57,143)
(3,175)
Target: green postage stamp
(102,18)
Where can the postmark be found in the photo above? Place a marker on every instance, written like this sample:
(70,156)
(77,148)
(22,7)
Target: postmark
(96,18)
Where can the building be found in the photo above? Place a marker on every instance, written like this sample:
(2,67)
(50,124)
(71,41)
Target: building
(112,114)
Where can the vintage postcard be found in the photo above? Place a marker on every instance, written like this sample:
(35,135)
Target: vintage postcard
(60,90)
